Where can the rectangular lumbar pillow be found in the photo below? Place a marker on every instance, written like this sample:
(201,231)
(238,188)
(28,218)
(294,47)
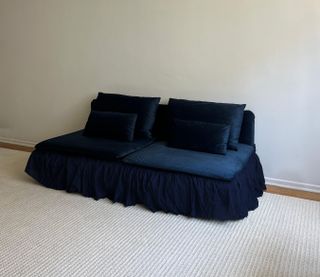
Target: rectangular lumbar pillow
(221,113)
(144,107)
(199,136)
(111,125)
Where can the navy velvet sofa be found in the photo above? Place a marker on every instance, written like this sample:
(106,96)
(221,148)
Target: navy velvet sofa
(148,172)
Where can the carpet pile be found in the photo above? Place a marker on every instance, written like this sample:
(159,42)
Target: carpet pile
(44,232)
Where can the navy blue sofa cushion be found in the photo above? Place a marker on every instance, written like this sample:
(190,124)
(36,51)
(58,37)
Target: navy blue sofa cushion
(144,107)
(247,128)
(101,148)
(199,136)
(160,129)
(160,156)
(111,125)
(229,114)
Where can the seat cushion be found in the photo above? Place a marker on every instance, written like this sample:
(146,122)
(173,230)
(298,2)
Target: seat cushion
(101,148)
(159,155)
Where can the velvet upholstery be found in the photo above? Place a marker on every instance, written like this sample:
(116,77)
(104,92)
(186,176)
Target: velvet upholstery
(158,190)
(229,114)
(101,148)
(95,168)
(161,125)
(161,132)
(199,136)
(247,128)
(221,167)
(144,107)
(112,125)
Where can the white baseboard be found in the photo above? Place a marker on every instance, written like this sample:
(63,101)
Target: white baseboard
(18,142)
(293,185)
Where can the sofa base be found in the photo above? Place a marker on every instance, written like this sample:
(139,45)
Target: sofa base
(158,190)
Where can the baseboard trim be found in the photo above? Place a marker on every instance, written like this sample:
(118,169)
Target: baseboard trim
(292,185)
(293,192)
(16,147)
(18,142)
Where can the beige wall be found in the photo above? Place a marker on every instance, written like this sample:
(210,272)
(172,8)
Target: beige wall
(56,55)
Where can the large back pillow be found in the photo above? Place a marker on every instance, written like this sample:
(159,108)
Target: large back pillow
(221,113)
(144,107)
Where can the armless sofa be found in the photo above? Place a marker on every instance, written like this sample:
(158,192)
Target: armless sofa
(148,171)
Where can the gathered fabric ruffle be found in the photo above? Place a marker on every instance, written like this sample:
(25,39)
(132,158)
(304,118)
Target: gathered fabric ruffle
(157,190)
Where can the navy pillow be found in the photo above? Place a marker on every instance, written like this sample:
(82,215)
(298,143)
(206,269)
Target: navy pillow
(144,107)
(161,125)
(199,136)
(221,113)
(111,125)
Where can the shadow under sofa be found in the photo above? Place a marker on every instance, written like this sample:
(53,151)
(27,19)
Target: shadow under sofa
(148,172)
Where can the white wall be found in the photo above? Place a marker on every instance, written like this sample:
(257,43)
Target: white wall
(55,55)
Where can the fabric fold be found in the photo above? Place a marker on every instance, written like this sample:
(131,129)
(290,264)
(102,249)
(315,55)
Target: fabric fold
(157,190)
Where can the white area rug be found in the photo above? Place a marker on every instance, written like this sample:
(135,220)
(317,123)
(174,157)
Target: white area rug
(44,232)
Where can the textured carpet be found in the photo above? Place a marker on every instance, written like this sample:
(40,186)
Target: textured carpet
(52,233)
